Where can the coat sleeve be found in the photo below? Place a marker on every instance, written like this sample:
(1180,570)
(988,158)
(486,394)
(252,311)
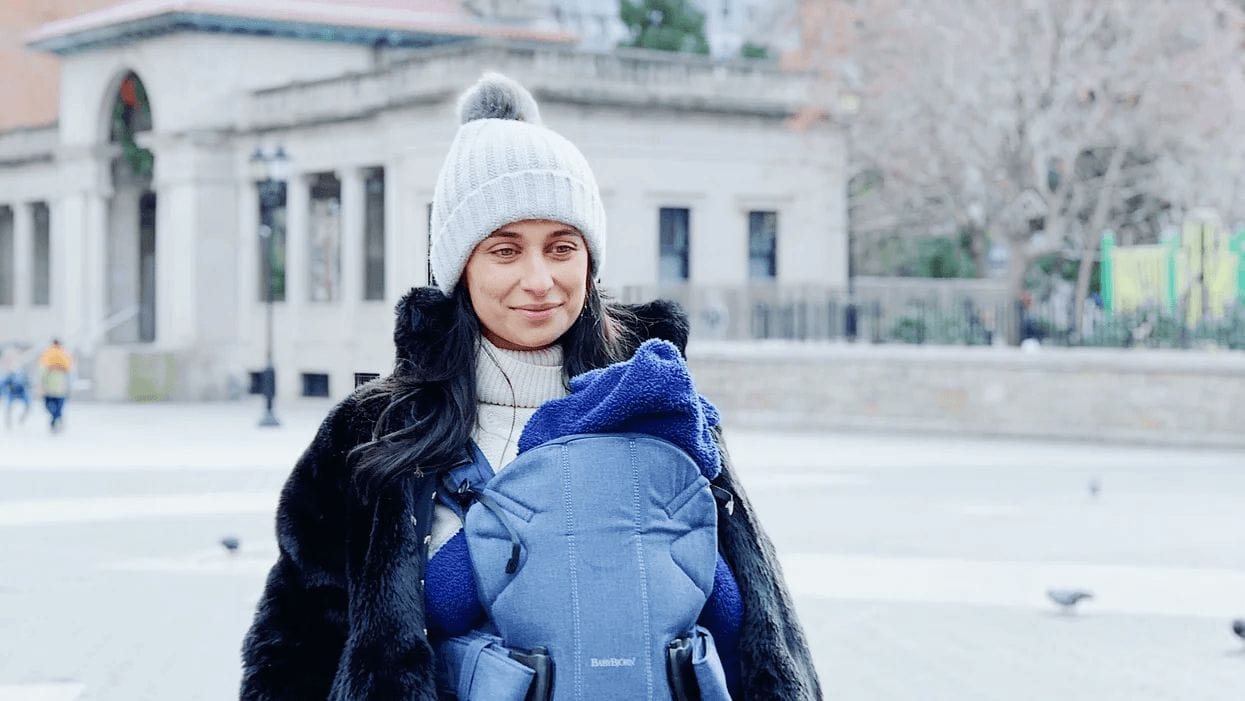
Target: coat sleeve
(774,657)
(292,648)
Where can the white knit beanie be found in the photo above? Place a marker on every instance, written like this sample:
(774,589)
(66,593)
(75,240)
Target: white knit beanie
(504,167)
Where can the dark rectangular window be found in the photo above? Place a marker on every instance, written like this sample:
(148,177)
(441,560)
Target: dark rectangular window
(8,266)
(762,245)
(673,262)
(374,234)
(315,384)
(41,251)
(272,240)
(324,235)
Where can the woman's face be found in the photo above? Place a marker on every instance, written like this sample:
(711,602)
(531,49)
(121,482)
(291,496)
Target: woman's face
(528,281)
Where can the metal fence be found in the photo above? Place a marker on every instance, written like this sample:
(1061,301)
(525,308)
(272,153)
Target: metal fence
(915,311)
(874,313)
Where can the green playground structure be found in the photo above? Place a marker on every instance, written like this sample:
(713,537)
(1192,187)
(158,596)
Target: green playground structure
(1198,275)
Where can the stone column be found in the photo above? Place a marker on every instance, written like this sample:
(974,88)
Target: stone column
(249,263)
(197,279)
(176,233)
(79,227)
(405,253)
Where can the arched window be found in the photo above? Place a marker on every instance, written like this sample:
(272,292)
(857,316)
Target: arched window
(131,115)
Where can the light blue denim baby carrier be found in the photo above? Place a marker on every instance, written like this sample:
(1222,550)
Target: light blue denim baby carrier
(595,553)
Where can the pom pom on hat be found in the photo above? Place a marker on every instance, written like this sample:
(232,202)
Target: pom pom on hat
(495,96)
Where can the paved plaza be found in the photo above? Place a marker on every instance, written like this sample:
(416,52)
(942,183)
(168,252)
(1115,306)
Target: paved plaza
(919,564)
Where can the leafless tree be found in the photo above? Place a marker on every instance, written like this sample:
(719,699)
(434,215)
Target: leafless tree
(1037,123)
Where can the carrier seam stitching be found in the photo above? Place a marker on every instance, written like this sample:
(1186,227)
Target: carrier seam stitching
(639,547)
(574,579)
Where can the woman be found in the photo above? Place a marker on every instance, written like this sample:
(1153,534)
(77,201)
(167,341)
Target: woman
(518,241)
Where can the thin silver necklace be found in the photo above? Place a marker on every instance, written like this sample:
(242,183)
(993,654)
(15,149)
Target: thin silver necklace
(514,401)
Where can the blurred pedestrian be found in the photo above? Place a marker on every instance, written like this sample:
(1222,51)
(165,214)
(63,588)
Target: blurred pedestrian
(15,386)
(55,365)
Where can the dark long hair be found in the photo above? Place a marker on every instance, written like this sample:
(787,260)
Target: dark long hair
(430,409)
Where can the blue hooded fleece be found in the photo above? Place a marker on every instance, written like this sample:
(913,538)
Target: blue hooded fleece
(652,393)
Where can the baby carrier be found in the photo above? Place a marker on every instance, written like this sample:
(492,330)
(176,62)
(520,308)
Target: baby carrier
(594,551)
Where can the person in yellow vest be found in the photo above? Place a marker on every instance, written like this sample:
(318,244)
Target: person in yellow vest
(55,364)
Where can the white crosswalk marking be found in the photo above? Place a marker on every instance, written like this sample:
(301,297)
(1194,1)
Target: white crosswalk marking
(1170,591)
(126,508)
(252,559)
(55,691)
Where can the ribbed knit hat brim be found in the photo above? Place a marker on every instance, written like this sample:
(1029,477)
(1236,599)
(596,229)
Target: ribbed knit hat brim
(500,170)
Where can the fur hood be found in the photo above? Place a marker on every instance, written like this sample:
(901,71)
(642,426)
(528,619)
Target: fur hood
(342,615)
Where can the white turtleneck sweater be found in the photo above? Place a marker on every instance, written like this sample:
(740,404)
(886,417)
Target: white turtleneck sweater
(503,409)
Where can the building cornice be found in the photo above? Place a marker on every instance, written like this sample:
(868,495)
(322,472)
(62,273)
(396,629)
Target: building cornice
(308,20)
(26,145)
(554,74)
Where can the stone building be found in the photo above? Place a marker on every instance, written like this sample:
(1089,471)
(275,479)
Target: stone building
(132,226)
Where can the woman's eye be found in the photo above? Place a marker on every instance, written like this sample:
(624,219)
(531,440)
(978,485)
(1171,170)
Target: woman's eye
(564,249)
(505,252)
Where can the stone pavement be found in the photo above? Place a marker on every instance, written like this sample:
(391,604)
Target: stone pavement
(918,563)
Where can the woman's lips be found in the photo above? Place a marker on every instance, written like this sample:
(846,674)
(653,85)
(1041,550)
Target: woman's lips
(537,314)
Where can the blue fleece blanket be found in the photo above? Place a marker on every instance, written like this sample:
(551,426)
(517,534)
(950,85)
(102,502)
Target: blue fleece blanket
(652,393)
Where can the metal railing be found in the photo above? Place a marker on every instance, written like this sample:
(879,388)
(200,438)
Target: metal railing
(917,311)
(811,313)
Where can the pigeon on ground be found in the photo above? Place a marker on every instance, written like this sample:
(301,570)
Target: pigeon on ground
(230,543)
(1068,598)
(1238,627)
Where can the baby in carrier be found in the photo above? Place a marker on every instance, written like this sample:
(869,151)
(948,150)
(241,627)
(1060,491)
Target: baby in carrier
(594,553)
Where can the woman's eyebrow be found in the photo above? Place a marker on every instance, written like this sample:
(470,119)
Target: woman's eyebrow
(504,235)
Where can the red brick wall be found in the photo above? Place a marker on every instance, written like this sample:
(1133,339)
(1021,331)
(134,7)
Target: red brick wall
(29,79)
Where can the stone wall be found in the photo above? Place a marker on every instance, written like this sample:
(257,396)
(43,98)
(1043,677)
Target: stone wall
(1171,397)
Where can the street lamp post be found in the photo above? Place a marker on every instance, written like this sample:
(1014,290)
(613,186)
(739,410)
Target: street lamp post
(850,313)
(269,172)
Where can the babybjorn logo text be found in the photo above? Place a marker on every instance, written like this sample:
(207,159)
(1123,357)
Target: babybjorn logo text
(613,661)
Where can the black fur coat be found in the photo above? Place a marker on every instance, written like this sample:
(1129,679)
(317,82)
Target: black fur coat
(342,614)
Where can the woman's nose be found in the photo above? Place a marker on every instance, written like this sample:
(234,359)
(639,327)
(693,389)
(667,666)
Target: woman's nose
(537,277)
